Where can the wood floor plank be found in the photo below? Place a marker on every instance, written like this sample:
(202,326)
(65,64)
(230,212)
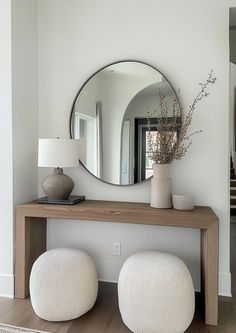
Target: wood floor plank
(106,304)
(103,318)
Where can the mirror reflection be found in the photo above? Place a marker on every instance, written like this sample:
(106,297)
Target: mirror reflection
(113,115)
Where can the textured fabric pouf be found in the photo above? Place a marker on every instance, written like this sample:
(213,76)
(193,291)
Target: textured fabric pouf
(63,284)
(156,293)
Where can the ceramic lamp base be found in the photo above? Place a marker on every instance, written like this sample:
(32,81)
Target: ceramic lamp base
(58,186)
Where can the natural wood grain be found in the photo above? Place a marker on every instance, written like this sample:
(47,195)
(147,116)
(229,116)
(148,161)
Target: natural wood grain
(30,244)
(105,316)
(31,215)
(123,212)
(209,271)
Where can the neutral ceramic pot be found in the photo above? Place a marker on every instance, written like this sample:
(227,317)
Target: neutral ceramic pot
(183,202)
(161,171)
(161,189)
(58,185)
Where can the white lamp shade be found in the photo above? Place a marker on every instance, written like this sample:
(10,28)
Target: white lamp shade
(62,153)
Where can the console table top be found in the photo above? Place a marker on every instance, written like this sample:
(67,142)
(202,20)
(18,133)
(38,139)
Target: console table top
(122,212)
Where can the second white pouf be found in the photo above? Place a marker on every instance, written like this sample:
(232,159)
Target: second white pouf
(156,293)
(63,284)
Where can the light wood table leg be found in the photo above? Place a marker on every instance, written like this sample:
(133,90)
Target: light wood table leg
(209,272)
(30,244)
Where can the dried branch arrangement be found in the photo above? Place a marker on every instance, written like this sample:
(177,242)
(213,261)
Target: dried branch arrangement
(171,139)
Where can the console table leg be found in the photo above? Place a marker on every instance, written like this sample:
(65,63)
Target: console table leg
(30,244)
(209,272)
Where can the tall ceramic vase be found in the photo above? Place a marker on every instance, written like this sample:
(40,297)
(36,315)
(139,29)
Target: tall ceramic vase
(161,191)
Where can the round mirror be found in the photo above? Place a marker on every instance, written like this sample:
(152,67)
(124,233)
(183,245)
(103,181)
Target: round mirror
(115,113)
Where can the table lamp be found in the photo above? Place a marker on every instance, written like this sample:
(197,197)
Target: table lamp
(58,154)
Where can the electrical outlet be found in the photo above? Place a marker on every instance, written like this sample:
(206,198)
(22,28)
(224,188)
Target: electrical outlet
(116,249)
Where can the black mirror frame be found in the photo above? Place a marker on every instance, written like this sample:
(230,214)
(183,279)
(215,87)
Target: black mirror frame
(84,84)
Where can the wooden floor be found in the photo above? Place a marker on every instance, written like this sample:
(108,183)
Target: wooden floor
(105,316)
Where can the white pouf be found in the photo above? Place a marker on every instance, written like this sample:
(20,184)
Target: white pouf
(156,293)
(63,284)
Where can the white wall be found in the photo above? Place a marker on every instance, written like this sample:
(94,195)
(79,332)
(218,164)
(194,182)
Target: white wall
(6,169)
(138,108)
(18,123)
(25,99)
(140,105)
(118,90)
(75,39)
(115,91)
(232,109)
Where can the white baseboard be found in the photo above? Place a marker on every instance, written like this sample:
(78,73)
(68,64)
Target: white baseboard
(7,285)
(107,280)
(108,271)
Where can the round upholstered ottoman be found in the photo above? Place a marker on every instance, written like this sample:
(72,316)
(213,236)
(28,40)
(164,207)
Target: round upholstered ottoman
(156,293)
(63,284)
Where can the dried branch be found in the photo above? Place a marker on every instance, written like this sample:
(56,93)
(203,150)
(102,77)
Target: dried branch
(172,140)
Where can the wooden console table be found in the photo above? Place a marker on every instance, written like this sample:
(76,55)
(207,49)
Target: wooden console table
(31,220)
